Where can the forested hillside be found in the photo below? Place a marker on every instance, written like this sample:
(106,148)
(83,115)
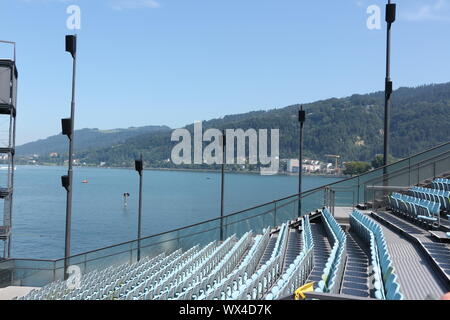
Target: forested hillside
(351,127)
(85,139)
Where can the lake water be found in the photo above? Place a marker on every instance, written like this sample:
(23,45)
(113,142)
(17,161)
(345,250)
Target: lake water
(172,199)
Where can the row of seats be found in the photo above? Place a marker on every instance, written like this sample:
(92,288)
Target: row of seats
(225,289)
(441,184)
(116,282)
(298,271)
(434,195)
(384,277)
(415,208)
(113,278)
(148,286)
(195,274)
(228,270)
(199,283)
(267,274)
(334,268)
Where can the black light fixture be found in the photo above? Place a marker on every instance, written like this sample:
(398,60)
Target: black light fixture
(67,129)
(139,167)
(66,125)
(301,120)
(71,45)
(65,182)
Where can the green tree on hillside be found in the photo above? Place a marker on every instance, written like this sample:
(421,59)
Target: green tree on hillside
(356,167)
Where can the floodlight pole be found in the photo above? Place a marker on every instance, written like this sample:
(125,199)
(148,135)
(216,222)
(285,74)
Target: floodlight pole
(223,142)
(390,19)
(139,166)
(301,119)
(68,129)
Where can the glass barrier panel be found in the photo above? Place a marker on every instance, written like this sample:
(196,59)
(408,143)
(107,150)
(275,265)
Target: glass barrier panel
(104,258)
(33,273)
(364,181)
(430,154)
(201,234)
(347,193)
(426,171)
(394,167)
(153,246)
(400,179)
(255,219)
(443,165)
(313,201)
(286,210)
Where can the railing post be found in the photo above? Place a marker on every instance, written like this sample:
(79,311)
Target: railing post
(409,172)
(275,214)
(357,197)
(418,174)
(353,202)
(434,169)
(365,192)
(373,198)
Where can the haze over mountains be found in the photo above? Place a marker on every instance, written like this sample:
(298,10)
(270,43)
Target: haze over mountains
(85,139)
(351,127)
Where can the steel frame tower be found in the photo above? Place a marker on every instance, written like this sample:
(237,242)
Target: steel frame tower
(8,104)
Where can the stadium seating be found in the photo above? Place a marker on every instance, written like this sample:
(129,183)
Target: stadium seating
(234,281)
(201,282)
(257,286)
(249,267)
(334,268)
(385,279)
(441,184)
(298,271)
(434,195)
(418,209)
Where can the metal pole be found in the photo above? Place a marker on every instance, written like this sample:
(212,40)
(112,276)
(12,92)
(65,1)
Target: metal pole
(222,188)
(301,119)
(141,178)
(390,18)
(70,170)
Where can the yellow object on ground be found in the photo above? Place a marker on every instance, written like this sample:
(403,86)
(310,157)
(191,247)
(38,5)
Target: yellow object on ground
(300,292)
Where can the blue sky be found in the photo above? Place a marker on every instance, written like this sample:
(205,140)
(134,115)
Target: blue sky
(172,62)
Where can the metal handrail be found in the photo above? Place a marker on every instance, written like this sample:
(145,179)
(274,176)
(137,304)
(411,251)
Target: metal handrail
(408,168)
(294,198)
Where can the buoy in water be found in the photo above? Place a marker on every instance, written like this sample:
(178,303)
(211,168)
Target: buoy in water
(125,199)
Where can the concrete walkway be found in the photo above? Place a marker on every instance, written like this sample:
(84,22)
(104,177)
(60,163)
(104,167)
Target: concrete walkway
(9,293)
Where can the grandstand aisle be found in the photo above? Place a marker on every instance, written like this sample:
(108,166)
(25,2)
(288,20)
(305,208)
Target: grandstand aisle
(356,273)
(415,272)
(322,251)
(294,247)
(268,251)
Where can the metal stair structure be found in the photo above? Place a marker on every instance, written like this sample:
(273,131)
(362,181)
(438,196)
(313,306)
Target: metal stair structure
(8,101)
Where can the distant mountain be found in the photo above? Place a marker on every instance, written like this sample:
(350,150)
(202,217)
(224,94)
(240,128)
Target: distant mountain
(85,139)
(351,127)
